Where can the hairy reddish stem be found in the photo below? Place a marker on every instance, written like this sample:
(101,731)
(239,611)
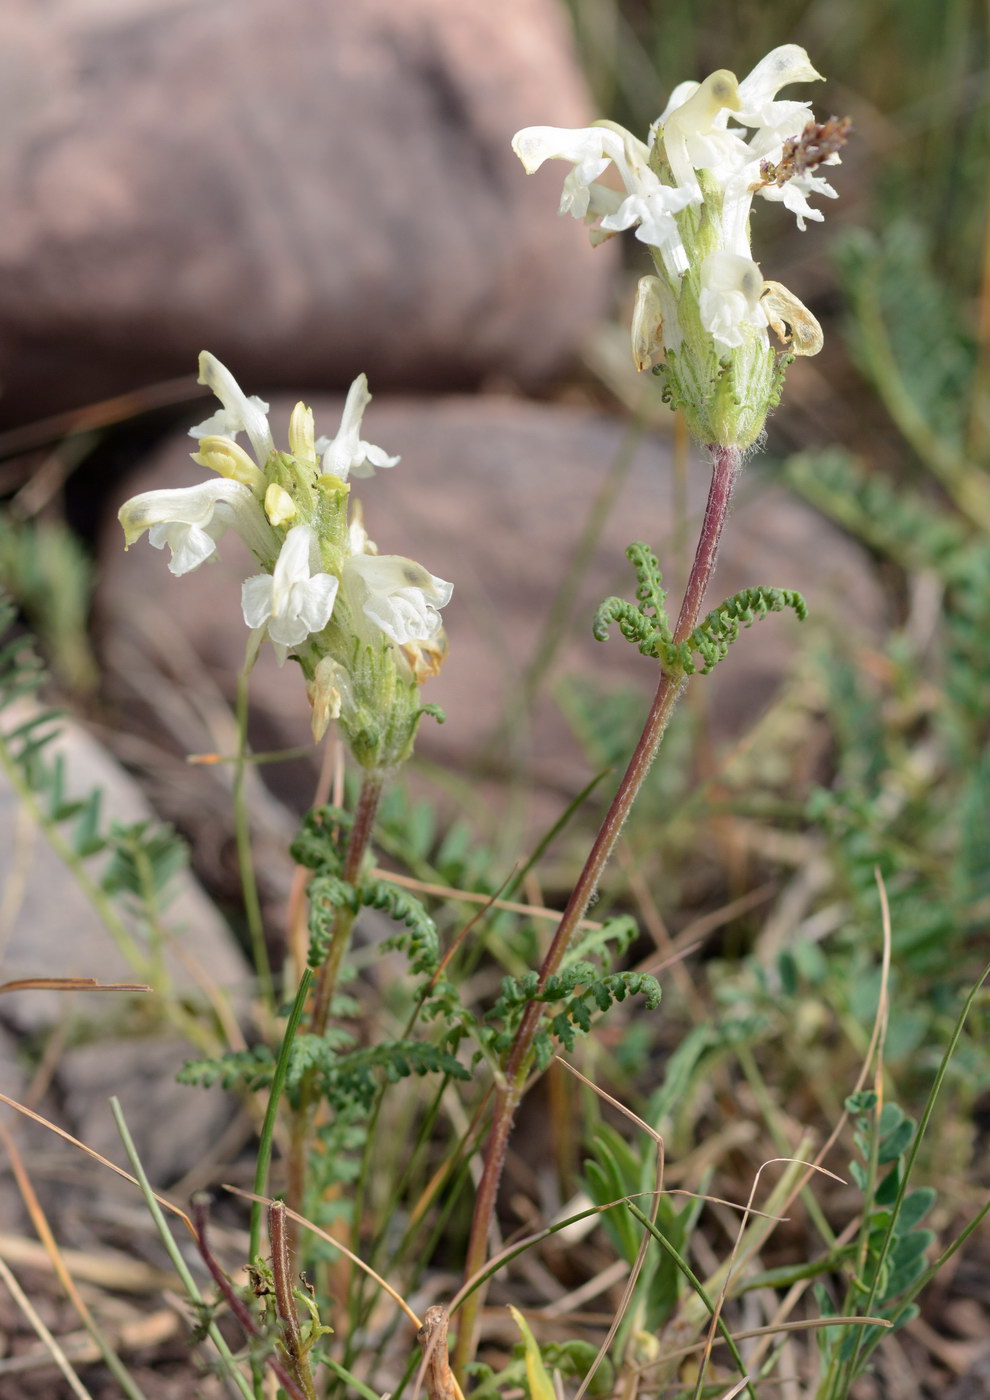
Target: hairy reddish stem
(357,845)
(234,1301)
(725,465)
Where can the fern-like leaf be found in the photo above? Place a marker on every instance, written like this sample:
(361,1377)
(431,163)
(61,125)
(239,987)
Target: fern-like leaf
(650,592)
(249,1069)
(319,841)
(327,893)
(632,624)
(713,637)
(421,942)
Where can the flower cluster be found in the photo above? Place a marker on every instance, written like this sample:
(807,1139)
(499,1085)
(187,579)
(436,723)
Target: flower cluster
(703,320)
(365,627)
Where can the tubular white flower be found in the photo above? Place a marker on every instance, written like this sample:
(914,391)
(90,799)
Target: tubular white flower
(302,435)
(678,97)
(358,540)
(731,288)
(692,138)
(329,692)
(191,519)
(398,595)
(292,602)
(239,414)
(793,195)
(589,149)
(775,122)
(650,207)
(791,320)
(703,321)
(779,68)
(347,454)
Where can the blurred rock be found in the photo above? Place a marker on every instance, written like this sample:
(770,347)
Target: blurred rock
(173,1125)
(52,929)
(307,190)
(493,493)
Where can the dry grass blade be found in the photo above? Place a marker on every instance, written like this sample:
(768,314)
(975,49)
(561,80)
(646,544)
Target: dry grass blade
(533,911)
(110,1268)
(727,1273)
(349,1254)
(57,1354)
(140,1334)
(70,984)
(644,1245)
(873,1051)
(96,1338)
(40,1223)
(97,1157)
(773,1329)
(102,414)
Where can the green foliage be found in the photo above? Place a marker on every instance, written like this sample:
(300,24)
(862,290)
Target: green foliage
(713,637)
(888,1259)
(901,312)
(321,839)
(328,893)
(45,569)
(572,1359)
(618,1169)
(345,1076)
(146,857)
(577,992)
(249,1069)
(648,627)
(420,942)
(134,864)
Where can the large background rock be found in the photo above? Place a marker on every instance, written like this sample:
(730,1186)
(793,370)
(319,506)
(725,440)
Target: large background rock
(307,189)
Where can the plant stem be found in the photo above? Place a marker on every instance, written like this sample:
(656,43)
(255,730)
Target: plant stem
(357,845)
(267,1135)
(285,1303)
(725,465)
(236,1303)
(242,831)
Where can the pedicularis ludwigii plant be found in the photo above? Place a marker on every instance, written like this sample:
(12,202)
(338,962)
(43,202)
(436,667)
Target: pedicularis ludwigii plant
(364,627)
(704,319)
(703,323)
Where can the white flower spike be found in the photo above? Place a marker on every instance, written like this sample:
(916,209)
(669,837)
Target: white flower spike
(191,519)
(239,414)
(398,595)
(701,324)
(294,601)
(346,454)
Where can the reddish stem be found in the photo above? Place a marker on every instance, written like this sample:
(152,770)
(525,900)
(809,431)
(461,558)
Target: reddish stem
(235,1302)
(357,845)
(725,465)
